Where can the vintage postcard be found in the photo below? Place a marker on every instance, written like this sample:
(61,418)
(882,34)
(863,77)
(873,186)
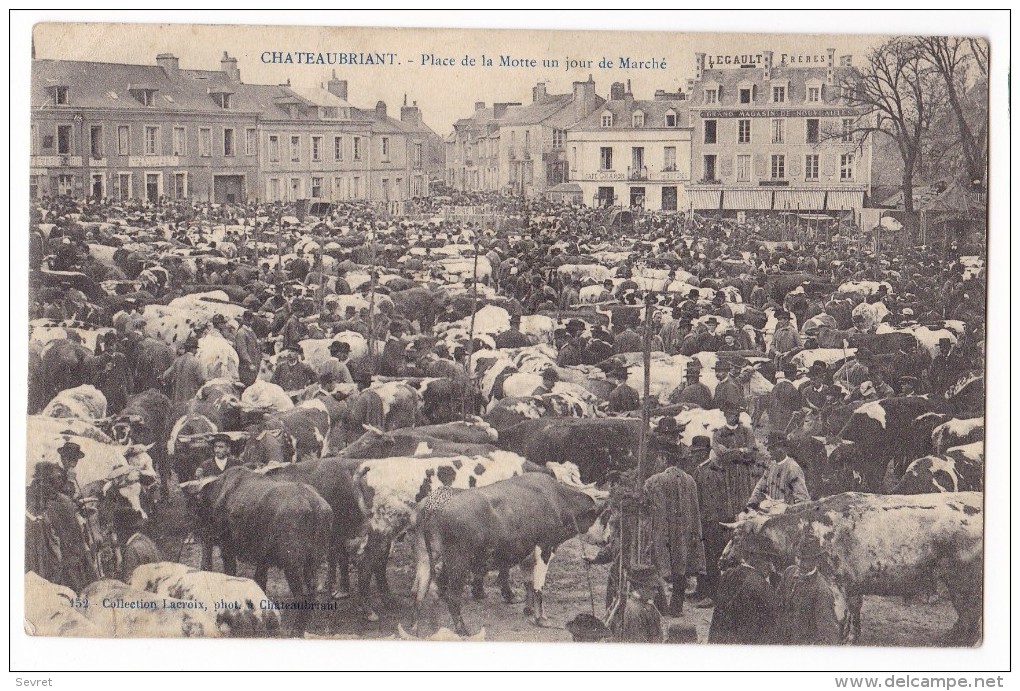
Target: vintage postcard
(448,334)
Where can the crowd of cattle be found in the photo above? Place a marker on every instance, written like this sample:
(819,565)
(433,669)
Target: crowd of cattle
(472,403)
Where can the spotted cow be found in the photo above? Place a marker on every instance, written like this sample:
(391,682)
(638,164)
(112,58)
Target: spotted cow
(937,537)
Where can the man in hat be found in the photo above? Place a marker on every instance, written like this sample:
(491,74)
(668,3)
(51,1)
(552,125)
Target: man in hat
(570,351)
(185,373)
(943,371)
(908,386)
(291,373)
(816,391)
(336,364)
(729,392)
(624,398)
(783,480)
(549,379)
(808,611)
(733,440)
(394,352)
(294,331)
(249,350)
(693,392)
(784,399)
(222,458)
(599,347)
(785,339)
(672,334)
(677,549)
(627,341)
(512,337)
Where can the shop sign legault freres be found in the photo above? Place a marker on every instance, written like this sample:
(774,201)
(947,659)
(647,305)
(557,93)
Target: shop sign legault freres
(756,59)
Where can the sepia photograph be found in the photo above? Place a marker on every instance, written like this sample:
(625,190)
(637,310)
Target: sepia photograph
(423,334)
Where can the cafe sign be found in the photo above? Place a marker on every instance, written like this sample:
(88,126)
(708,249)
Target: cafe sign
(604,175)
(781,113)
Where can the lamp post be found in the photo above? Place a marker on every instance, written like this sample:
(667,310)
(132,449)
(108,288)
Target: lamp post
(79,120)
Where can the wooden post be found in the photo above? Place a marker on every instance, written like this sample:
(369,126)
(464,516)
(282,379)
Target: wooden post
(371,302)
(646,346)
(471,329)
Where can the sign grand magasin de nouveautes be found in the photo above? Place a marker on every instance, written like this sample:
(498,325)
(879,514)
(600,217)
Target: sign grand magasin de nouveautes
(780,113)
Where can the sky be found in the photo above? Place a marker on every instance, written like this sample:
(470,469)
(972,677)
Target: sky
(444,93)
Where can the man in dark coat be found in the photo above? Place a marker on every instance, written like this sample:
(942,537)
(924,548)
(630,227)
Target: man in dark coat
(512,337)
(810,612)
(729,391)
(784,399)
(291,373)
(693,392)
(677,548)
(222,458)
(394,352)
(249,350)
(185,373)
(746,607)
(624,398)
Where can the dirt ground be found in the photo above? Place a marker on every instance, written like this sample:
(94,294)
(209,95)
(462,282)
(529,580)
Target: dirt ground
(886,621)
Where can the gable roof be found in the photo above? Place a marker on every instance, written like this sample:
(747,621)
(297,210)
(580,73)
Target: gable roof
(623,111)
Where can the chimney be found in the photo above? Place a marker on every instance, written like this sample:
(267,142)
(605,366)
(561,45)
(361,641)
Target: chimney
(699,66)
(584,98)
(479,105)
(410,113)
(830,73)
(380,110)
(229,67)
(337,87)
(169,62)
(538,92)
(616,91)
(767,63)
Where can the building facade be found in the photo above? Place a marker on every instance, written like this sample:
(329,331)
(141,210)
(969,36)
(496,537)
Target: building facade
(770,132)
(154,132)
(533,138)
(631,152)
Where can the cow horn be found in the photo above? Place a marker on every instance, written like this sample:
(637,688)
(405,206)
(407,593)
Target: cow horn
(372,428)
(731,526)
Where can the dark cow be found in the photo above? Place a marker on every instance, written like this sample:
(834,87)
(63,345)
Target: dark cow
(960,470)
(333,481)
(308,425)
(887,343)
(411,441)
(146,420)
(421,305)
(389,406)
(149,358)
(66,364)
(263,522)
(268,443)
(896,430)
(446,400)
(521,520)
(598,447)
(937,537)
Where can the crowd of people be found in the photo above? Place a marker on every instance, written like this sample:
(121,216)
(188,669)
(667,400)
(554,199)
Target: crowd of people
(681,285)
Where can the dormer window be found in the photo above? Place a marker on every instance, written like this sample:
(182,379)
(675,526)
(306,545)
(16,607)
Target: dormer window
(779,94)
(607,119)
(60,95)
(670,118)
(328,113)
(222,100)
(713,93)
(813,91)
(745,95)
(638,119)
(143,93)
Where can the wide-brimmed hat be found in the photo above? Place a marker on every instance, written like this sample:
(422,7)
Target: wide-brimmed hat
(701,442)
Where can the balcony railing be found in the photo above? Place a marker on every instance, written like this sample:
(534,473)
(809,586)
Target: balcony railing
(637,173)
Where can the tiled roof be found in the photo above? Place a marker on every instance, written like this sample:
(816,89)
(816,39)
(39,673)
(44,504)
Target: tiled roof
(623,111)
(106,85)
(731,79)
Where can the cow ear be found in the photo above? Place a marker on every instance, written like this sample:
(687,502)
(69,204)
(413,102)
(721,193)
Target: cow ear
(731,526)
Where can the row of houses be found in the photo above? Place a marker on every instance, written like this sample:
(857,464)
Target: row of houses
(120,131)
(750,133)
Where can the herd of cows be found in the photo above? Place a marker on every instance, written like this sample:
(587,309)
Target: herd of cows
(471,408)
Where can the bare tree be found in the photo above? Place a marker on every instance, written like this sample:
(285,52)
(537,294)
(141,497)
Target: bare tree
(897,92)
(953,58)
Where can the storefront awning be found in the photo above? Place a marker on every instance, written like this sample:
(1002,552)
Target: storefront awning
(747,199)
(705,199)
(844,200)
(800,200)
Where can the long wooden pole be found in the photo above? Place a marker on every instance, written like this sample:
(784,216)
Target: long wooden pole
(471,330)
